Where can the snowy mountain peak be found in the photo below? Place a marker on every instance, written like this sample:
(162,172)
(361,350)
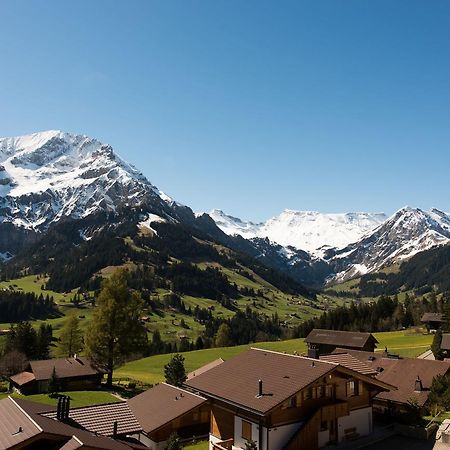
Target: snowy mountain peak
(53,174)
(305,230)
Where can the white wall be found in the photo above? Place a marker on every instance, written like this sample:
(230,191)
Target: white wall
(323,438)
(279,436)
(361,419)
(141,437)
(238,440)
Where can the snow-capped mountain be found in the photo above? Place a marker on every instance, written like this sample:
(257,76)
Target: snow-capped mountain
(405,233)
(305,230)
(47,176)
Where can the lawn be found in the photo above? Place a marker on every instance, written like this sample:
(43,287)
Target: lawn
(77,398)
(411,342)
(201,445)
(150,370)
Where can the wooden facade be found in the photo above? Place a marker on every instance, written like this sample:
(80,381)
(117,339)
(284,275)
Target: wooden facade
(316,408)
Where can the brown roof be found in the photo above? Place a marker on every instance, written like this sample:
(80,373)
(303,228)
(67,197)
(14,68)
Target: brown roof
(19,422)
(432,317)
(349,361)
(445,343)
(339,338)
(100,418)
(23,378)
(13,418)
(283,375)
(162,404)
(402,373)
(205,368)
(65,368)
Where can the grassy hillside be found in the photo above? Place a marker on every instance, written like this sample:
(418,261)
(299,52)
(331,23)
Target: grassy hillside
(409,343)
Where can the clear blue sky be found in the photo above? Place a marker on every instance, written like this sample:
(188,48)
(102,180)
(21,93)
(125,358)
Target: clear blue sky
(248,106)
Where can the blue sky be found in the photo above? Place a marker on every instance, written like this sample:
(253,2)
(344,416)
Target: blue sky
(249,106)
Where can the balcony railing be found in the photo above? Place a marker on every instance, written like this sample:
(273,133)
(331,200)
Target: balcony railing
(224,445)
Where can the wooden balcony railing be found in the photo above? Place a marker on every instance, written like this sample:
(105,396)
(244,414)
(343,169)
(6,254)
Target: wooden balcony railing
(224,445)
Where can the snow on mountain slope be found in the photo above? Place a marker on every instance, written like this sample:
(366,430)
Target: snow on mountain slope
(50,175)
(405,233)
(306,230)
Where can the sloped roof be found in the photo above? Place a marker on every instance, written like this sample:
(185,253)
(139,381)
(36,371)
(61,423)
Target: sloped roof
(283,375)
(65,368)
(349,361)
(205,368)
(100,418)
(402,373)
(13,419)
(161,404)
(432,317)
(23,378)
(339,338)
(15,413)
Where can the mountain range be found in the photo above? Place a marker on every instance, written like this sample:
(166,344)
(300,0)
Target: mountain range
(56,179)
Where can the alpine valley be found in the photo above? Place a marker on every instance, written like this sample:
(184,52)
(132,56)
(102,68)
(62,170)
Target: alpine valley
(71,210)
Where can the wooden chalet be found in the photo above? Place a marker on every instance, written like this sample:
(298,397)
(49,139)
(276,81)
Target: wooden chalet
(412,377)
(432,321)
(73,374)
(166,409)
(322,342)
(283,401)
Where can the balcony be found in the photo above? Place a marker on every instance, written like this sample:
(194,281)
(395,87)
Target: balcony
(224,445)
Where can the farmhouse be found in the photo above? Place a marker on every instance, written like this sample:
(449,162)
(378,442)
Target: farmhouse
(166,409)
(283,401)
(75,373)
(433,321)
(412,377)
(321,342)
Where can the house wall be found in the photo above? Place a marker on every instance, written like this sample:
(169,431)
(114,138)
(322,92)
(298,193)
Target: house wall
(142,438)
(239,441)
(280,436)
(358,421)
(222,422)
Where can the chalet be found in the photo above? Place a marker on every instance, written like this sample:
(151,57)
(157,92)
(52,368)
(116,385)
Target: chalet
(321,342)
(75,373)
(166,409)
(412,377)
(24,426)
(283,401)
(432,321)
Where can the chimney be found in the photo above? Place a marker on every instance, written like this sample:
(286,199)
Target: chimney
(59,408)
(115,425)
(385,353)
(260,388)
(67,411)
(418,387)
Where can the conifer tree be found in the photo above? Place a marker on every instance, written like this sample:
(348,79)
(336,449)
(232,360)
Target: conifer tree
(174,370)
(115,330)
(71,337)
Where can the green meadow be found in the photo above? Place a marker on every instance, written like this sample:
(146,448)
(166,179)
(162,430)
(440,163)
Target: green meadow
(408,343)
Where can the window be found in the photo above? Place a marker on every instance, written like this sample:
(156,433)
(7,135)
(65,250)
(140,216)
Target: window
(292,403)
(246,430)
(329,391)
(352,388)
(320,391)
(307,394)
